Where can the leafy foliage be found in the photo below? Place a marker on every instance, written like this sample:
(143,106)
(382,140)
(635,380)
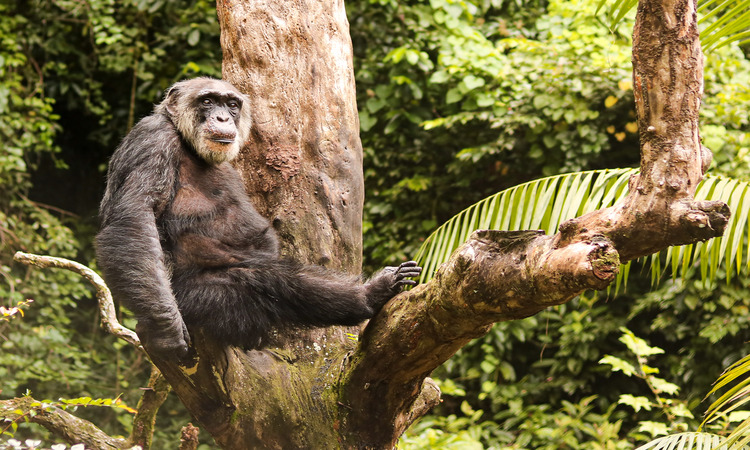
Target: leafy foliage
(460,100)
(28,127)
(662,391)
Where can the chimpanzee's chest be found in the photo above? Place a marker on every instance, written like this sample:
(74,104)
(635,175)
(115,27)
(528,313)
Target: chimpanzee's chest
(210,200)
(202,189)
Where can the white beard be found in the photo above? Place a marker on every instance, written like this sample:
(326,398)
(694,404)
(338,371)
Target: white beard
(215,152)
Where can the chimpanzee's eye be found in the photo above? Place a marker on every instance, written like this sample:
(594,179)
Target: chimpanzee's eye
(207,102)
(233,104)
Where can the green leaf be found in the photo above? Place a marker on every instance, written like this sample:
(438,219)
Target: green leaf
(453,95)
(738,416)
(366,121)
(662,385)
(637,403)
(618,364)
(438,77)
(472,82)
(637,345)
(375,104)
(541,101)
(412,57)
(653,428)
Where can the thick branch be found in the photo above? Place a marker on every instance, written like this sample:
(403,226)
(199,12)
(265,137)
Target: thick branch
(495,276)
(61,423)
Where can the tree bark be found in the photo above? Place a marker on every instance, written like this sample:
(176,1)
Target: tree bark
(303,168)
(668,85)
(303,164)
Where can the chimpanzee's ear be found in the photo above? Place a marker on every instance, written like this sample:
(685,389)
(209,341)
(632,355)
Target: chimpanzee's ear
(170,99)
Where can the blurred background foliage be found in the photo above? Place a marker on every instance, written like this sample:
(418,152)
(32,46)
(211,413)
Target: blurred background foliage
(458,100)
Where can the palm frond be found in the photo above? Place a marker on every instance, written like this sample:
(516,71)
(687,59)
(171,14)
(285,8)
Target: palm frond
(540,204)
(727,22)
(724,21)
(731,400)
(546,203)
(688,441)
(617,11)
(736,396)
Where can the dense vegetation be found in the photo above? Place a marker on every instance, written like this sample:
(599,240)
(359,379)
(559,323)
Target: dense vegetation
(458,100)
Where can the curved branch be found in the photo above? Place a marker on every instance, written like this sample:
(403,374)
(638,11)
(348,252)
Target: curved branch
(103,296)
(61,422)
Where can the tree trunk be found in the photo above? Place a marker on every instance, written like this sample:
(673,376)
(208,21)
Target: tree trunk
(321,389)
(303,170)
(303,165)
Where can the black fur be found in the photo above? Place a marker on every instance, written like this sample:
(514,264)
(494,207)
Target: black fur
(180,242)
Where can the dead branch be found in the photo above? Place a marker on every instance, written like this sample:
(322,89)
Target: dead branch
(103,296)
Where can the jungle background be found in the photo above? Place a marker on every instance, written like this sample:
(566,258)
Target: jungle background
(458,100)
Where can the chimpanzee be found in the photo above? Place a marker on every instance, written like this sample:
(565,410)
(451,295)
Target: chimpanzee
(180,243)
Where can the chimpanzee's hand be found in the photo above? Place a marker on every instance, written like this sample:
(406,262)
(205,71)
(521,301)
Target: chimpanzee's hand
(165,340)
(389,282)
(402,273)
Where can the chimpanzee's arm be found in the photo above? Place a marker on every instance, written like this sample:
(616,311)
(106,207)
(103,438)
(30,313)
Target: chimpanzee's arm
(140,179)
(242,304)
